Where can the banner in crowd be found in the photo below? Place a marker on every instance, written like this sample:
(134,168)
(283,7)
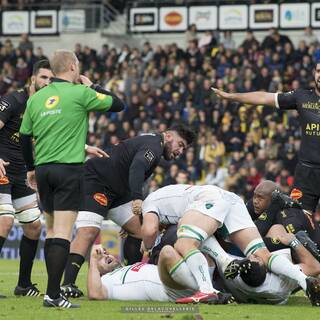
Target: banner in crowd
(144,19)
(204,17)
(15,22)
(264,16)
(233,17)
(72,20)
(109,238)
(315,15)
(173,18)
(44,22)
(294,15)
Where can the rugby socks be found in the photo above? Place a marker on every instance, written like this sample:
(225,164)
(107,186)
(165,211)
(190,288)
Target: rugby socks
(46,247)
(56,261)
(75,261)
(199,268)
(181,274)
(28,250)
(280,265)
(2,241)
(213,248)
(131,250)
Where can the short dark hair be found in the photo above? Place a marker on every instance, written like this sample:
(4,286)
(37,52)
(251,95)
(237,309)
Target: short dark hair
(41,64)
(255,276)
(184,132)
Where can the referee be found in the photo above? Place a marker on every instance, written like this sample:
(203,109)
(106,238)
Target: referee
(56,117)
(307,103)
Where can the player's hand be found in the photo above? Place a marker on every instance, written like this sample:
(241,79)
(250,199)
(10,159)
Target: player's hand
(97,251)
(221,94)
(31,180)
(137,207)
(86,81)
(3,164)
(96,152)
(123,233)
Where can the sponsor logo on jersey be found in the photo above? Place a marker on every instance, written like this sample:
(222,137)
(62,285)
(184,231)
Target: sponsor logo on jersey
(263,216)
(3,105)
(101,199)
(209,205)
(275,240)
(296,194)
(149,155)
(52,102)
(4,180)
(137,267)
(100,96)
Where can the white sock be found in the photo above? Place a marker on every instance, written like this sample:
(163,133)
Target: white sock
(282,266)
(181,274)
(213,248)
(199,268)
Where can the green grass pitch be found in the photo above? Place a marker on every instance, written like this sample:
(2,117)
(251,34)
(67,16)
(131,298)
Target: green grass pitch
(31,308)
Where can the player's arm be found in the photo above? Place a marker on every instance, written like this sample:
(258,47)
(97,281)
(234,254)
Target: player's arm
(98,99)
(149,229)
(96,290)
(255,97)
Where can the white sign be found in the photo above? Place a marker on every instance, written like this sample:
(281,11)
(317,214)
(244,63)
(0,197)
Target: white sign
(72,20)
(143,19)
(264,16)
(294,15)
(204,17)
(44,22)
(173,19)
(233,17)
(315,15)
(15,22)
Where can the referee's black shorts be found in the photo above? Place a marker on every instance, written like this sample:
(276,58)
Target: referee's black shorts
(59,186)
(307,180)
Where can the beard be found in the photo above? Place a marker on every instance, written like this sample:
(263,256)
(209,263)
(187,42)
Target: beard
(167,151)
(37,87)
(317,83)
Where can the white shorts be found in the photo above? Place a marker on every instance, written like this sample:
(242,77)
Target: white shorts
(225,207)
(119,215)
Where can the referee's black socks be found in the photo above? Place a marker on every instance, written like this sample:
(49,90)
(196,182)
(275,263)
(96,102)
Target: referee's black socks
(56,260)
(131,250)
(28,250)
(75,261)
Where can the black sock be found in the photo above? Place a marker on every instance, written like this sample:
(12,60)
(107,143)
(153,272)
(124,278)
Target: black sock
(46,247)
(131,250)
(28,250)
(2,241)
(73,267)
(56,261)
(273,244)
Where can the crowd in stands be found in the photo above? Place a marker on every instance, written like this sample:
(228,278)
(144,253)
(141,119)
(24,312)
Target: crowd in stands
(238,145)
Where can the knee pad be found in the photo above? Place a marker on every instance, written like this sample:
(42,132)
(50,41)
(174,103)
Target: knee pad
(28,215)
(253,246)
(191,232)
(7,210)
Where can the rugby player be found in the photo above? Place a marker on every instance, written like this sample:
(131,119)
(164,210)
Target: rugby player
(199,211)
(306,102)
(117,180)
(170,280)
(17,200)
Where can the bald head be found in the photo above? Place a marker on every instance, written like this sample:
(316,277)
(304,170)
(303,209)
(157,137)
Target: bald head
(262,196)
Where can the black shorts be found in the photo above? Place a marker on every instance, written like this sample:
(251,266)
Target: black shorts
(15,185)
(307,180)
(59,186)
(96,197)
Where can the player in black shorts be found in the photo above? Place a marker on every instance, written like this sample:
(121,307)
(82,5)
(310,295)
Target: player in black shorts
(109,186)
(306,102)
(16,198)
(269,209)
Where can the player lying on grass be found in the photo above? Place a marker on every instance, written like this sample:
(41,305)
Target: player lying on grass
(199,212)
(170,280)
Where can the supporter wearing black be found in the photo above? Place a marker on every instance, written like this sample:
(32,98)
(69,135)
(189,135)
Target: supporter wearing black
(16,198)
(269,208)
(110,182)
(306,102)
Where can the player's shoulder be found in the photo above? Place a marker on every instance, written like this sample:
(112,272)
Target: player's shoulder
(19,96)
